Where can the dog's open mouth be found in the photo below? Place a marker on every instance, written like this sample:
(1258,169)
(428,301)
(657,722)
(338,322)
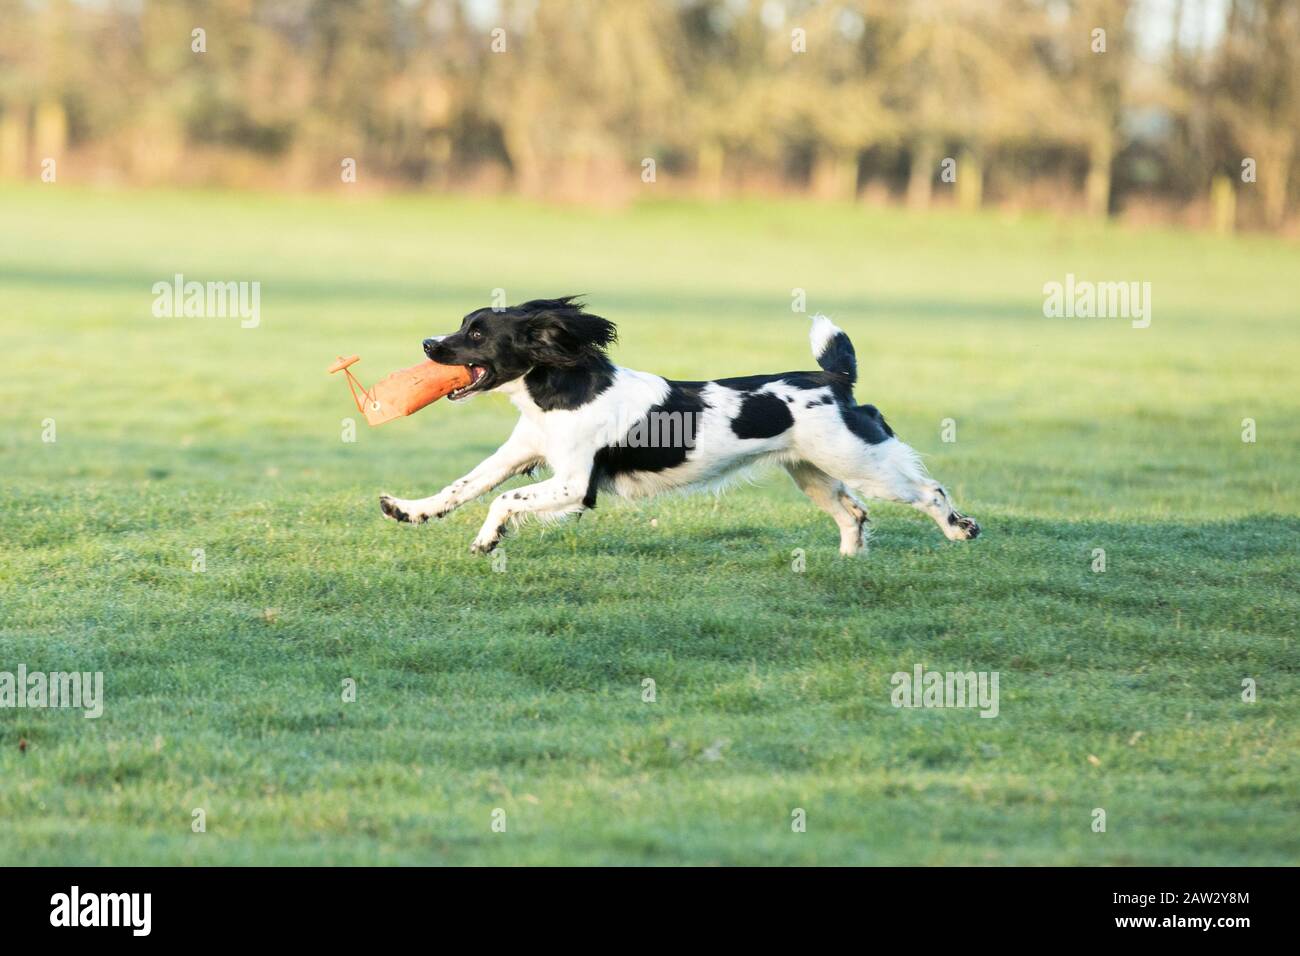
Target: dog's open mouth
(479,373)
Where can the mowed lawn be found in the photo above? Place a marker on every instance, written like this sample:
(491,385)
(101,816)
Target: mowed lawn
(521,690)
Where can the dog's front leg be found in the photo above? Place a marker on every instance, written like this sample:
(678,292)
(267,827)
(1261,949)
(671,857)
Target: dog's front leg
(520,453)
(558,495)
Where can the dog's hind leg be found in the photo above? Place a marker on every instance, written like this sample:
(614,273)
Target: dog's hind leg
(933,499)
(856,506)
(893,472)
(831,496)
(886,469)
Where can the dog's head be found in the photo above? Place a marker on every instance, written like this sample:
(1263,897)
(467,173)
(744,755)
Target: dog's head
(501,345)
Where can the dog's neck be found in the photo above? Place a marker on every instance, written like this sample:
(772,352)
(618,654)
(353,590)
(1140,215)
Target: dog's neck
(551,388)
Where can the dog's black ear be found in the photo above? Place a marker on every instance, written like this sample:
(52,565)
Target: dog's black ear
(561,334)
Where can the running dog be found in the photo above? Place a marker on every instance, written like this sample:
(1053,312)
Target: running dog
(600,427)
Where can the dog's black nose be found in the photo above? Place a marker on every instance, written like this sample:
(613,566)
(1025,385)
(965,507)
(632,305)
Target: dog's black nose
(430,345)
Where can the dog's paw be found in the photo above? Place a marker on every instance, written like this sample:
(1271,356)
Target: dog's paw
(486,543)
(400,510)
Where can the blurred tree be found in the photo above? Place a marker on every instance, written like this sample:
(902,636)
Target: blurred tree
(1257,98)
(961,73)
(1093,58)
(579,86)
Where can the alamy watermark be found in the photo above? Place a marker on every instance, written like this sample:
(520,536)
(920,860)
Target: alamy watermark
(923,688)
(75,689)
(656,429)
(130,910)
(208,300)
(1082,299)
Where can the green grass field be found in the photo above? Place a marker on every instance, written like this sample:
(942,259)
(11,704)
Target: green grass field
(522,690)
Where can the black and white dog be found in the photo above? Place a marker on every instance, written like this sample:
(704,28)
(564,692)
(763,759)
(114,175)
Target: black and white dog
(600,427)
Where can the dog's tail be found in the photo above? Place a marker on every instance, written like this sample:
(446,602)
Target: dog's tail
(833,350)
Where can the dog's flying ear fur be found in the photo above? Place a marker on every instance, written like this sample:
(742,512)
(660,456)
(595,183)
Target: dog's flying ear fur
(561,334)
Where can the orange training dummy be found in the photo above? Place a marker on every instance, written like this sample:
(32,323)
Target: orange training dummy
(405,391)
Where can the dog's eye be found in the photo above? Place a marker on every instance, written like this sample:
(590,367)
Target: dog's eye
(476,335)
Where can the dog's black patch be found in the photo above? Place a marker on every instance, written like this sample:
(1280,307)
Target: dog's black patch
(674,419)
(762,416)
(593,484)
(867,423)
(824,400)
(568,388)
